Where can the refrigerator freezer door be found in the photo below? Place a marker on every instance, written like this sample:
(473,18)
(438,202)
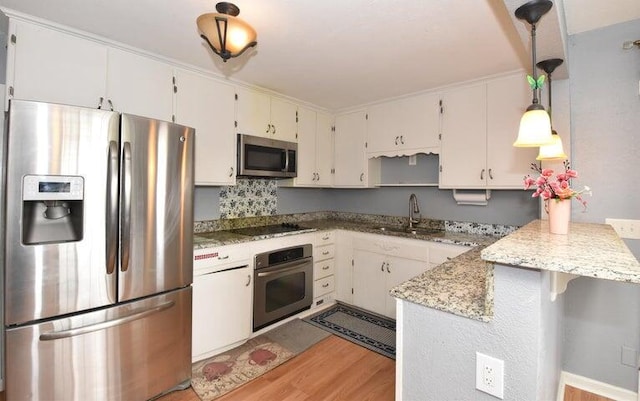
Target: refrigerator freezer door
(133,351)
(156,212)
(55,259)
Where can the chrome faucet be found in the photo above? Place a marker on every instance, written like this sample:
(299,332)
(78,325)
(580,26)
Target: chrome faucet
(413,210)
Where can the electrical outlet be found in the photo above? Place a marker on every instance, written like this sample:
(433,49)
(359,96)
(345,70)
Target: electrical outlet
(625,228)
(490,375)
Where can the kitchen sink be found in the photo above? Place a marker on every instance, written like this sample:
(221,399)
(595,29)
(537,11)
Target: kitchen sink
(414,230)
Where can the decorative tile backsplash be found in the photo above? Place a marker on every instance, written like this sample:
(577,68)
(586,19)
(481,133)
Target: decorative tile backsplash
(249,198)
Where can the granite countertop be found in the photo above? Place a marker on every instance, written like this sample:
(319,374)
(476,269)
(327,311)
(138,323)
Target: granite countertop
(462,285)
(590,250)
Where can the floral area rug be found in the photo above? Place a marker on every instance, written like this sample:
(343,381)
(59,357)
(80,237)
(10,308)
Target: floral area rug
(220,374)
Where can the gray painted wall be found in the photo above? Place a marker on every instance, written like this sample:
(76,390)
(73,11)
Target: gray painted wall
(524,332)
(602,316)
(505,207)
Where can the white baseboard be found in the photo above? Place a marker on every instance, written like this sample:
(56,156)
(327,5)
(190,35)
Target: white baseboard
(595,387)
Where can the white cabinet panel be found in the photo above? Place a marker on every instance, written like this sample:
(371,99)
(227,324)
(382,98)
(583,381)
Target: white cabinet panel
(464,137)
(508,99)
(262,115)
(351,166)
(369,281)
(140,85)
(479,125)
(405,126)
(51,66)
(208,106)
(324,149)
(222,310)
(306,147)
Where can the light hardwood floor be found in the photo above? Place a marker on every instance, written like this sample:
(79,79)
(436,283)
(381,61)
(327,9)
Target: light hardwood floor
(333,369)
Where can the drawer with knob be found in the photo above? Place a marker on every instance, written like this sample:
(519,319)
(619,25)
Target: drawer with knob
(323,286)
(323,268)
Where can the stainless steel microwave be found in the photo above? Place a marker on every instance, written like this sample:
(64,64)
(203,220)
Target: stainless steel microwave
(265,157)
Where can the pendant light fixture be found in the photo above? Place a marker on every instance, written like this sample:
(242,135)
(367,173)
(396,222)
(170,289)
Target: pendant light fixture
(554,151)
(228,35)
(535,124)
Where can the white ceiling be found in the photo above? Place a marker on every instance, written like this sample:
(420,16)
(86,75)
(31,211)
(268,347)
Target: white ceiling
(340,54)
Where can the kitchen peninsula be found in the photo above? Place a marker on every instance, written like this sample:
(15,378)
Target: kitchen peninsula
(521,324)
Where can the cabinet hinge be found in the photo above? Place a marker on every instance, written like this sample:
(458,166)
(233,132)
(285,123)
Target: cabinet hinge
(366,145)
(352,291)
(175,87)
(441,168)
(14,39)
(173,118)
(333,128)
(11,91)
(366,116)
(352,262)
(235,124)
(441,108)
(296,120)
(296,135)
(236,96)
(439,137)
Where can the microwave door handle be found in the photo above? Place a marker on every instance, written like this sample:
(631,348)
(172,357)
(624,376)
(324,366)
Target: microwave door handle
(125,235)
(286,160)
(112,208)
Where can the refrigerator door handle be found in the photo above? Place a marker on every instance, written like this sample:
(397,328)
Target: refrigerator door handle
(112,207)
(57,335)
(125,235)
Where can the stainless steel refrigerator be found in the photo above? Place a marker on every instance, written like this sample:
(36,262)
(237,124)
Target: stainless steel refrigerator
(99,232)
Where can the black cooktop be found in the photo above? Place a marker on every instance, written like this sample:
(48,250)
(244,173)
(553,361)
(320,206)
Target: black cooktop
(267,230)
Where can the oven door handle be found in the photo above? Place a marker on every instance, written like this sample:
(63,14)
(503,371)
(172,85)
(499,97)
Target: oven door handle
(279,270)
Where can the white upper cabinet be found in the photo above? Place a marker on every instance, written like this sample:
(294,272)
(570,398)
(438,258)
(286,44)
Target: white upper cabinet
(351,168)
(464,137)
(48,65)
(404,127)
(139,85)
(315,148)
(262,115)
(51,66)
(208,106)
(507,101)
(479,125)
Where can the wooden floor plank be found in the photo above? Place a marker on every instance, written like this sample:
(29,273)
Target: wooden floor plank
(327,371)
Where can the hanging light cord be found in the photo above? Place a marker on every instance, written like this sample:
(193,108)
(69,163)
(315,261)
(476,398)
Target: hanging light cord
(533,62)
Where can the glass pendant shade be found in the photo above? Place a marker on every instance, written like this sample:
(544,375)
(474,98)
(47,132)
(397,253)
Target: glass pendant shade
(228,35)
(535,128)
(554,151)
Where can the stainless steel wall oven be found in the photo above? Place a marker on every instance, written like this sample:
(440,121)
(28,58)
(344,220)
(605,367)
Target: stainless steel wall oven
(283,284)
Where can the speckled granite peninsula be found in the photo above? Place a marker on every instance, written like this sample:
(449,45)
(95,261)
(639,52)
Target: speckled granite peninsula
(590,250)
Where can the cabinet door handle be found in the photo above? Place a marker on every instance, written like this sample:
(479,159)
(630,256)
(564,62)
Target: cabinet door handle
(325,267)
(273,129)
(490,174)
(110,104)
(268,128)
(326,237)
(317,176)
(248,280)
(361,177)
(325,253)
(231,172)
(402,139)
(382,267)
(223,257)
(325,285)
(397,140)
(100,103)
(388,270)
(482,174)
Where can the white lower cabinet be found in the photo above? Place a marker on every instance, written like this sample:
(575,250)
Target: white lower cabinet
(379,264)
(222,310)
(324,284)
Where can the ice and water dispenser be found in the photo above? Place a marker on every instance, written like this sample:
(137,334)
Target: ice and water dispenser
(52,209)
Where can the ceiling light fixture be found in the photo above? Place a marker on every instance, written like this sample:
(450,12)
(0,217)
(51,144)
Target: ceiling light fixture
(554,151)
(228,35)
(535,124)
